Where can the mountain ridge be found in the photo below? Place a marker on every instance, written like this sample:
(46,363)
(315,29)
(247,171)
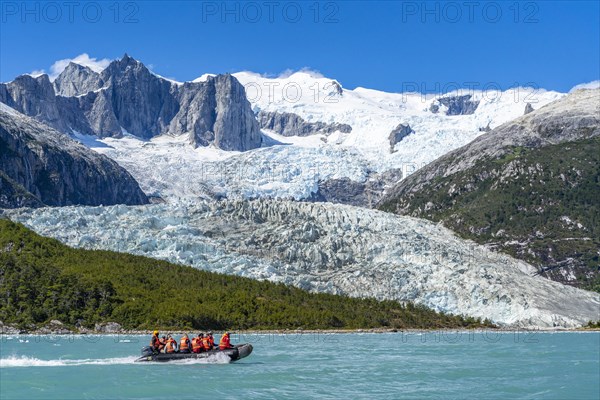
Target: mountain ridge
(127,97)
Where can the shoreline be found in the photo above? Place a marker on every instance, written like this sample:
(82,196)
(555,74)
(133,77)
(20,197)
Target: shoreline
(92,332)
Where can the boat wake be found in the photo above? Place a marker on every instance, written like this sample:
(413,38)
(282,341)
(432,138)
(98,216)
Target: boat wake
(25,361)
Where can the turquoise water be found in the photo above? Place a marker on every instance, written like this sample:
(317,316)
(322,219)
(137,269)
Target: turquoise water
(438,365)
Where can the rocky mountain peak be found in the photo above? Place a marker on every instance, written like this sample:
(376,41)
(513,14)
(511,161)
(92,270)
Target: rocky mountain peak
(34,83)
(127,96)
(34,96)
(77,79)
(126,66)
(73,66)
(217,112)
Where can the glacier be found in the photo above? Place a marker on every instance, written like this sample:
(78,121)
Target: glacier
(323,247)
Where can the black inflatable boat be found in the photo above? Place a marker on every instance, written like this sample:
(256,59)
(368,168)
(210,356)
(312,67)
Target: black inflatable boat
(237,352)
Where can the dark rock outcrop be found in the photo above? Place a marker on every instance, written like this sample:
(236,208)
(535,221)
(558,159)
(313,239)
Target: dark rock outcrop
(216,112)
(127,97)
(399,133)
(528,109)
(337,88)
(456,105)
(362,194)
(289,124)
(42,165)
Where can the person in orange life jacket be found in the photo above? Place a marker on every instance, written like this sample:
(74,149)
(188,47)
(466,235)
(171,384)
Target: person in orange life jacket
(197,346)
(156,344)
(206,343)
(212,340)
(225,342)
(171,346)
(184,344)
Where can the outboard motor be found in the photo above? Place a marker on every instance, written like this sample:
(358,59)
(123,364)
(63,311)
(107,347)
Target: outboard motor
(147,351)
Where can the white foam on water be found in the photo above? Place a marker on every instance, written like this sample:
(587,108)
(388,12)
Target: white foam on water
(25,361)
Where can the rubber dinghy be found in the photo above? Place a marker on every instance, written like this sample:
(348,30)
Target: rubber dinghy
(238,352)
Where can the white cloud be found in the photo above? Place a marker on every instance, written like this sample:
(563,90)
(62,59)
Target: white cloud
(285,73)
(37,73)
(589,85)
(309,71)
(83,59)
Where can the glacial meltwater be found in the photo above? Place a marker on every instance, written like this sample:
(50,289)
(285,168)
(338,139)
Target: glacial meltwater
(440,365)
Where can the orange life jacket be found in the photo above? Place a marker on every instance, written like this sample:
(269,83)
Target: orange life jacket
(206,343)
(170,346)
(225,343)
(184,344)
(155,342)
(212,341)
(196,345)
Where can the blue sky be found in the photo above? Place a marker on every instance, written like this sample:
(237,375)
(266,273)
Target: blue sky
(389,46)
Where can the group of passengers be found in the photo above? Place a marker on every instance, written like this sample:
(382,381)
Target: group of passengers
(198,344)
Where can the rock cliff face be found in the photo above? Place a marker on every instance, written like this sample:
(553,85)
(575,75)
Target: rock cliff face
(42,165)
(328,248)
(34,97)
(235,126)
(216,112)
(13,195)
(76,80)
(525,187)
(127,97)
(289,124)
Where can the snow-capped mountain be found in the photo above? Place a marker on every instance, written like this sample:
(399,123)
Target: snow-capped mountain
(299,167)
(358,140)
(438,122)
(328,248)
